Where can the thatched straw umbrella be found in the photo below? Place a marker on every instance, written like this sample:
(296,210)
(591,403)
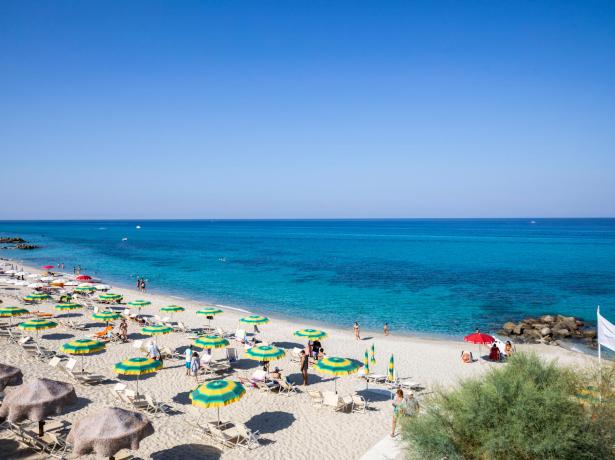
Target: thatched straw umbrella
(9,375)
(109,431)
(36,400)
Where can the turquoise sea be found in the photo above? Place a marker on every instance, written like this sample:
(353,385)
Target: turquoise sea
(420,275)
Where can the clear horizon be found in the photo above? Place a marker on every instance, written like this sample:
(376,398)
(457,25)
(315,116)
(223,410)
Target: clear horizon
(318,110)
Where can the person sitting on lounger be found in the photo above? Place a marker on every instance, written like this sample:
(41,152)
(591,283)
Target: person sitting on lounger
(466,357)
(321,353)
(316,348)
(205,358)
(124,330)
(276,373)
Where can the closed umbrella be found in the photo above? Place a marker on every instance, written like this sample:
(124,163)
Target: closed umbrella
(108,431)
(37,400)
(391,370)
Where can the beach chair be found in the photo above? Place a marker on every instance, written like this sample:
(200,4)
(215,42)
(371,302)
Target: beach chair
(245,437)
(180,327)
(54,445)
(117,390)
(231,355)
(225,439)
(77,326)
(240,336)
(334,401)
(286,386)
(85,378)
(154,406)
(14,335)
(316,398)
(167,353)
(133,400)
(295,355)
(359,404)
(375,378)
(224,334)
(43,353)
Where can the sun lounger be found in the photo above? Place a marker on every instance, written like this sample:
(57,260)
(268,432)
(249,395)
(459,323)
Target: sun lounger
(167,353)
(334,401)
(219,436)
(117,390)
(231,354)
(155,406)
(85,378)
(286,386)
(245,437)
(54,445)
(316,398)
(376,378)
(295,355)
(133,400)
(240,336)
(358,403)
(77,326)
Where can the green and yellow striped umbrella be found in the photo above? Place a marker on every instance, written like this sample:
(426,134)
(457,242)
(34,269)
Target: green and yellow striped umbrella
(209,311)
(110,296)
(217,393)
(137,366)
(156,329)
(336,366)
(83,347)
(265,353)
(139,303)
(366,363)
(254,319)
(106,316)
(211,341)
(172,309)
(38,324)
(391,370)
(9,312)
(68,306)
(85,289)
(311,334)
(36,297)
(373,354)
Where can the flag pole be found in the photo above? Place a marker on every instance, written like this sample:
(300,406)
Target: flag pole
(599,357)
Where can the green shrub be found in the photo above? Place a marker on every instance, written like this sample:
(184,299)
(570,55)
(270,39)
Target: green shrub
(524,410)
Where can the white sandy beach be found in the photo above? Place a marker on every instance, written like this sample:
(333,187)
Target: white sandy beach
(291,428)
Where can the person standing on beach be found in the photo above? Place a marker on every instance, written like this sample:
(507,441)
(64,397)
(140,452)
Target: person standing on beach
(304,367)
(356,331)
(188,359)
(386,329)
(138,283)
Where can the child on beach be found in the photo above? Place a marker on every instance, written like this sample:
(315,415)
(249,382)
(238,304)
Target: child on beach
(194,364)
(188,354)
(386,329)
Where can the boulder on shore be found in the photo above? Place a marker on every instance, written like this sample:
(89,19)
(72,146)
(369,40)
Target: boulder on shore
(549,329)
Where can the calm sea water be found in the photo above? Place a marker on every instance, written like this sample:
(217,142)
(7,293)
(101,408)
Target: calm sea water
(432,276)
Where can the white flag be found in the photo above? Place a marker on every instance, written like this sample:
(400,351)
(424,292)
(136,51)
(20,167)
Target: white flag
(606,332)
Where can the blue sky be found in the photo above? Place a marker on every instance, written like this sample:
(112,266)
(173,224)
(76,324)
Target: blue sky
(228,109)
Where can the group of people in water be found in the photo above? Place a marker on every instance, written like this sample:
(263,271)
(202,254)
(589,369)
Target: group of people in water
(141,284)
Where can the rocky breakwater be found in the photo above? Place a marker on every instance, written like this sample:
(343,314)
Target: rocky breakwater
(550,329)
(14,242)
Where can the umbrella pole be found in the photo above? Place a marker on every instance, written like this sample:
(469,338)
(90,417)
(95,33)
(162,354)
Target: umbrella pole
(41,428)
(137,384)
(335,385)
(218,416)
(82,364)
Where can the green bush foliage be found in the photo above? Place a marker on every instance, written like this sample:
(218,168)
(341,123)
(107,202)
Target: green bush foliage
(527,409)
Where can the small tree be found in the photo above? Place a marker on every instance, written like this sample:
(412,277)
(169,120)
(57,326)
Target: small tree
(525,410)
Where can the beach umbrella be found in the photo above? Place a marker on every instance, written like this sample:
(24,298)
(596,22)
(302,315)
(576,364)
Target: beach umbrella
(36,400)
(366,363)
(102,287)
(138,367)
(47,279)
(37,324)
(110,296)
(172,309)
(480,339)
(83,278)
(217,393)
(139,304)
(47,267)
(156,329)
(108,431)
(210,312)
(37,297)
(336,366)
(391,370)
(83,347)
(84,289)
(37,285)
(254,319)
(373,360)
(311,334)
(68,306)
(9,376)
(106,316)
(9,312)
(211,341)
(265,353)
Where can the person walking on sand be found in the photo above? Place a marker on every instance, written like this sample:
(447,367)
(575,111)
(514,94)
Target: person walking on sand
(399,408)
(356,331)
(124,330)
(304,367)
(386,329)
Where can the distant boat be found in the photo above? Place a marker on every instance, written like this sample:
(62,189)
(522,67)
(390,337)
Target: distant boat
(125,239)
(532,222)
(138,227)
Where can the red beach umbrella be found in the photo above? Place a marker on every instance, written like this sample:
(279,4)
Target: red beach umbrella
(480,339)
(83,278)
(47,267)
